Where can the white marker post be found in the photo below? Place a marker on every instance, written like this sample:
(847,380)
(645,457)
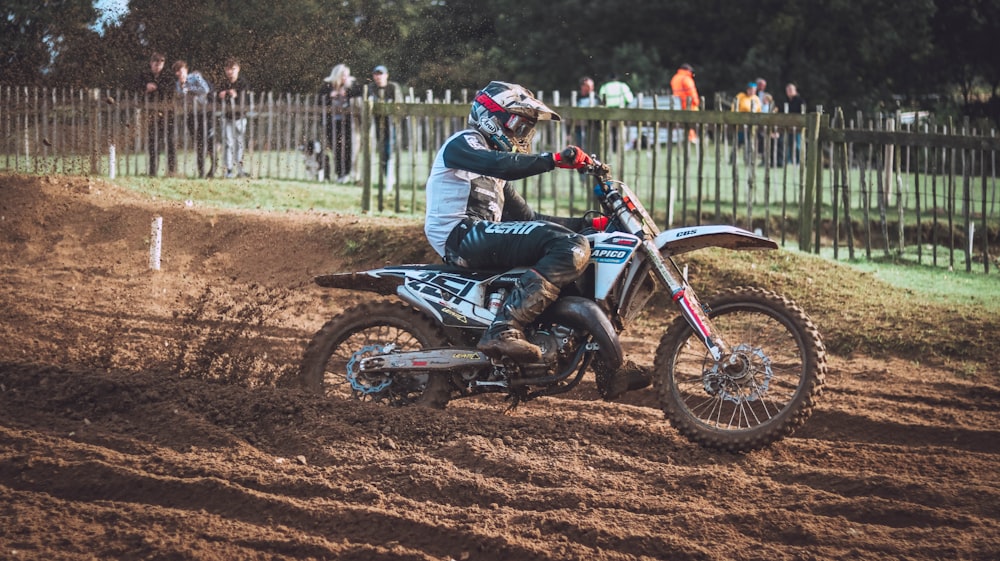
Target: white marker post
(156,243)
(112,163)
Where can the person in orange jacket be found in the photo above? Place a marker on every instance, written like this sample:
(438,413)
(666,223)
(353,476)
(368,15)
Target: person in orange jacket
(683,87)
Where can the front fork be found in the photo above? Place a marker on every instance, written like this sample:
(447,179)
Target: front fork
(682,294)
(685,298)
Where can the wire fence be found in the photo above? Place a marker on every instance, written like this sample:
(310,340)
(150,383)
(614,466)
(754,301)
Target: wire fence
(896,185)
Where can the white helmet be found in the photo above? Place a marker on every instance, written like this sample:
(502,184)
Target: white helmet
(506,114)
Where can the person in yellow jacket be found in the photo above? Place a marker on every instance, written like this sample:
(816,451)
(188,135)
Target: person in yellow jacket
(745,102)
(684,89)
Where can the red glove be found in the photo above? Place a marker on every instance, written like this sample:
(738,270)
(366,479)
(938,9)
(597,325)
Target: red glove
(600,223)
(572,157)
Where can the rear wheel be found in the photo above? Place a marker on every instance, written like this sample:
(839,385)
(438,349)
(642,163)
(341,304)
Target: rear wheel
(330,363)
(762,396)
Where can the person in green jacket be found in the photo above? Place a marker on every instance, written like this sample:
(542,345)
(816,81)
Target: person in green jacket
(615,93)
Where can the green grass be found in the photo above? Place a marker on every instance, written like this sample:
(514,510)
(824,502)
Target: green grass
(922,314)
(245,193)
(937,284)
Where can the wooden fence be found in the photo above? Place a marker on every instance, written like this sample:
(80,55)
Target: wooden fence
(879,185)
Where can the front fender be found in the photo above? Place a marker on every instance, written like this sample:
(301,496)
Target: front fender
(583,314)
(683,240)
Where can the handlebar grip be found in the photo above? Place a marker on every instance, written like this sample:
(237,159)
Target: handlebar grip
(568,154)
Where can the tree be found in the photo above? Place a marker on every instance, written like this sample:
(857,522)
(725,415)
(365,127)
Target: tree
(857,55)
(37,34)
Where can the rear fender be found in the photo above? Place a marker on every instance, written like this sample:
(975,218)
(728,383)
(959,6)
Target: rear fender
(683,240)
(386,280)
(381,281)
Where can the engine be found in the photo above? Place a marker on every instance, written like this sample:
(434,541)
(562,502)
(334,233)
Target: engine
(558,343)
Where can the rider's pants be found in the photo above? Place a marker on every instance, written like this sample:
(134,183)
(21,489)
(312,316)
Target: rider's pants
(553,251)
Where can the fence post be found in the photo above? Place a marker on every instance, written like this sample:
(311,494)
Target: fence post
(812,170)
(365,155)
(156,243)
(94,131)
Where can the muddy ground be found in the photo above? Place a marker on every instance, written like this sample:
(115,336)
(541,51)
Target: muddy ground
(150,415)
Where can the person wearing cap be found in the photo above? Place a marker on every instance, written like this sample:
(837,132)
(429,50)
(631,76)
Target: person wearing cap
(683,88)
(745,102)
(381,90)
(335,97)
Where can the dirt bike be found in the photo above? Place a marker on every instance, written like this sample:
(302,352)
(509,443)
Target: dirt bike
(735,374)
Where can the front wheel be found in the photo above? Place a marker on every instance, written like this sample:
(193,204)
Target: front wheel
(330,363)
(760,397)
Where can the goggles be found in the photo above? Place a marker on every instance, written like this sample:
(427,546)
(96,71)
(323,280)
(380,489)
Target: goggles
(519,125)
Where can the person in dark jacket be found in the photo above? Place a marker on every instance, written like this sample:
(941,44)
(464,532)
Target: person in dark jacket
(335,96)
(157,89)
(231,95)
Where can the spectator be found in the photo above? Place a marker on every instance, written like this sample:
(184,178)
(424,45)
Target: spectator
(585,130)
(335,96)
(683,88)
(193,90)
(767,105)
(766,99)
(382,90)
(793,104)
(582,132)
(158,89)
(615,93)
(586,94)
(234,124)
(745,102)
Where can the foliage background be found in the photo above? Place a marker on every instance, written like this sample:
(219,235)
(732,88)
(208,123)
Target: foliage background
(842,53)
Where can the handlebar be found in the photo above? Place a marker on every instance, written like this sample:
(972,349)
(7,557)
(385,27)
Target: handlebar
(618,201)
(597,169)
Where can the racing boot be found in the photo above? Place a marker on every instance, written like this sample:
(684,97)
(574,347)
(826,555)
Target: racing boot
(505,337)
(629,377)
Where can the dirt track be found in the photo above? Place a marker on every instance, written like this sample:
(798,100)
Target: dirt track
(149,416)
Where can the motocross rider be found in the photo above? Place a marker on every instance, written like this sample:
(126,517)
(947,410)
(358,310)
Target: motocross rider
(476,219)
